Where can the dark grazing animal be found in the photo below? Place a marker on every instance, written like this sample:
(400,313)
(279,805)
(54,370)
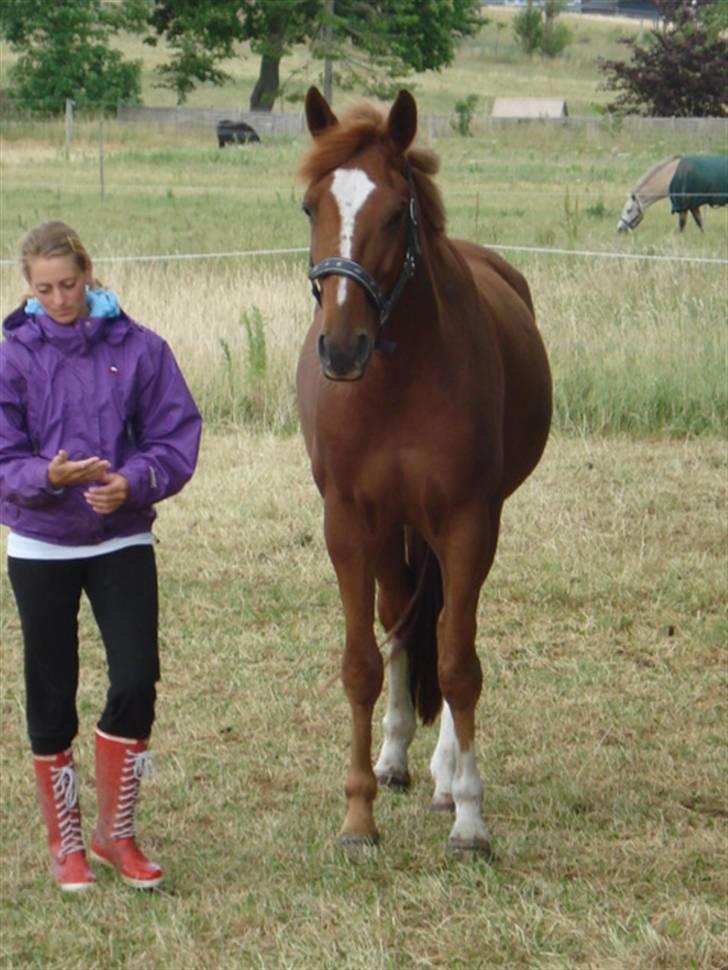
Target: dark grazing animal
(235,133)
(425,400)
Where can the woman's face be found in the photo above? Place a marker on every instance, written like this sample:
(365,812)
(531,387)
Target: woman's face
(60,286)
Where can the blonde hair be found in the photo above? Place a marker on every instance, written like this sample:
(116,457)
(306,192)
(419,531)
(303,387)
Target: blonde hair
(53,239)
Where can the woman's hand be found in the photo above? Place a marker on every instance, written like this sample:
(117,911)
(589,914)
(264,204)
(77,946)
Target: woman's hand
(62,472)
(110,495)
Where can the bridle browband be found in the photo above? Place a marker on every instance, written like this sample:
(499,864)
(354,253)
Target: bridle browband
(341,266)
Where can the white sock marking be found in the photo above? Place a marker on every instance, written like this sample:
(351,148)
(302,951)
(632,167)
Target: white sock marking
(442,765)
(351,187)
(399,720)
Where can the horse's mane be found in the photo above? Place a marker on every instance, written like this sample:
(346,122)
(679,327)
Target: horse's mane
(651,172)
(365,125)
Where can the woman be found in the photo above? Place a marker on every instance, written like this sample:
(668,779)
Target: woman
(96,425)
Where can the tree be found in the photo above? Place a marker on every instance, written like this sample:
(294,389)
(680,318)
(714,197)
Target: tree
(538,29)
(200,35)
(715,17)
(682,71)
(376,43)
(420,34)
(273,26)
(366,36)
(203,34)
(64,52)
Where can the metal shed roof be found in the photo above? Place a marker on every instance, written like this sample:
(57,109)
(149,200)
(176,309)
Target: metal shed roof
(529,108)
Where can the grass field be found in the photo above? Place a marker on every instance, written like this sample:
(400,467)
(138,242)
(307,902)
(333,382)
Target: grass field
(602,628)
(637,346)
(601,739)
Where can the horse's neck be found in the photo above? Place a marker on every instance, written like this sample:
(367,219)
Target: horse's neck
(439,292)
(657,186)
(445,279)
(421,303)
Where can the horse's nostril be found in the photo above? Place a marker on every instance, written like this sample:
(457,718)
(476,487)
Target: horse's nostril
(362,346)
(322,346)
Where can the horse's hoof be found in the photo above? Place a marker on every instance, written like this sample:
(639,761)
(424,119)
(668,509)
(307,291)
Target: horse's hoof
(397,781)
(351,840)
(442,803)
(475,848)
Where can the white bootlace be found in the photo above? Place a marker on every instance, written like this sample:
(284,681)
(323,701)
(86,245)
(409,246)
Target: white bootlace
(65,797)
(137,765)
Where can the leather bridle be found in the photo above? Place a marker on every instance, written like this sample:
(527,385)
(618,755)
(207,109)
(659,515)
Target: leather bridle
(341,266)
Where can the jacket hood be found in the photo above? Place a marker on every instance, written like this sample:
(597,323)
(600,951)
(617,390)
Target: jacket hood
(31,326)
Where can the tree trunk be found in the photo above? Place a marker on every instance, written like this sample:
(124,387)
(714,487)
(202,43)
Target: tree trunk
(328,63)
(266,87)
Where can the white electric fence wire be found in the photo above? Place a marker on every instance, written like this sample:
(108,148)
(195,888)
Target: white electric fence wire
(244,253)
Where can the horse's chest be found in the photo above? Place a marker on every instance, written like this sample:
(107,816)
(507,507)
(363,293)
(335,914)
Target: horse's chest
(389,465)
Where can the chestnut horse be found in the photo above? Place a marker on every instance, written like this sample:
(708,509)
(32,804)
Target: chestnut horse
(425,399)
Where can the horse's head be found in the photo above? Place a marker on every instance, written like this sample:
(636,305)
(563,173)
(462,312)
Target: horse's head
(632,214)
(360,203)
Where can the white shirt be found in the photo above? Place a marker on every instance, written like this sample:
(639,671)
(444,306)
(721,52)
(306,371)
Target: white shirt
(22,547)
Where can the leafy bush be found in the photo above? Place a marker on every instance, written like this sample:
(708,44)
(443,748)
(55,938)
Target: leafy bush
(537,30)
(43,79)
(464,109)
(681,71)
(528,28)
(64,53)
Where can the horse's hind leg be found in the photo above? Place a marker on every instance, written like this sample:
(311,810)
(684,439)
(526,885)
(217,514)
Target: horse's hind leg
(399,723)
(682,219)
(442,763)
(695,213)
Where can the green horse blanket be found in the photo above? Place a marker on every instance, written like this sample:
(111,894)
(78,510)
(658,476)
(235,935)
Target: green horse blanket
(699,180)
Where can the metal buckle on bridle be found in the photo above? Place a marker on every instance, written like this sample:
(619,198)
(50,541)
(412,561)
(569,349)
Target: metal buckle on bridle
(341,266)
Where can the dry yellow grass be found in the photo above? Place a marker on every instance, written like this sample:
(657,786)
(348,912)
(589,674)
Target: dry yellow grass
(634,346)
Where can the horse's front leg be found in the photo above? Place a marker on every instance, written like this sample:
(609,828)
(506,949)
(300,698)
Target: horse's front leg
(399,721)
(361,666)
(467,555)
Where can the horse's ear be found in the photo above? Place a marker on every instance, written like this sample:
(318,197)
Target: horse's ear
(402,122)
(319,115)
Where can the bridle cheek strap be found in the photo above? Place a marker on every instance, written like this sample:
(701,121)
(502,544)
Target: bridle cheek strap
(341,266)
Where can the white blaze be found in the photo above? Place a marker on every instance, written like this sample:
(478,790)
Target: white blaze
(351,188)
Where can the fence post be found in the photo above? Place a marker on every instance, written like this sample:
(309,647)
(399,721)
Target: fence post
(101,156)
(69,125)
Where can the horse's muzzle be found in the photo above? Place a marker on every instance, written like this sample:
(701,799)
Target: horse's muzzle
(345,363)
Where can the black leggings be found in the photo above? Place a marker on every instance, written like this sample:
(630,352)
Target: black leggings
(122,589)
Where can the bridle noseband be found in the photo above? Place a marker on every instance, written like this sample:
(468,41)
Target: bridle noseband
(341,266)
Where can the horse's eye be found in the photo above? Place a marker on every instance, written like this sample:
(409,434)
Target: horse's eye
(396,217)
(306,210)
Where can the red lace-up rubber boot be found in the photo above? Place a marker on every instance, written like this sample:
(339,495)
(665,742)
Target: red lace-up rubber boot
(57,785)
(120,765)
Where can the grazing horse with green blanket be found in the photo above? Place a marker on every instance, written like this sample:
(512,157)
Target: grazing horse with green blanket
(690,181)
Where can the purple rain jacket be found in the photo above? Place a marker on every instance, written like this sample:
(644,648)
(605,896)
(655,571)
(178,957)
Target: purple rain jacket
(103,386)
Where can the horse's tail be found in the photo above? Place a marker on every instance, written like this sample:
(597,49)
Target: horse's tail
(417,629)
